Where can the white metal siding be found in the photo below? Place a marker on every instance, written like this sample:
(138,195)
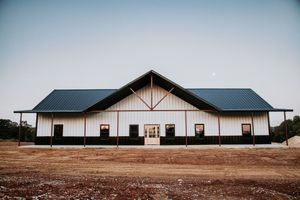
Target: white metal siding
(44,125)
(231,123)
(72,124)
(210,121)
(94,120)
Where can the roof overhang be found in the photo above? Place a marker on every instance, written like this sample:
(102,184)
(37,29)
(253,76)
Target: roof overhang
(259,110)
(281,110)
(48,111)
(24,111)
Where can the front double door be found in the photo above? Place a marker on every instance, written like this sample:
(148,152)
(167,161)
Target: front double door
(152,134)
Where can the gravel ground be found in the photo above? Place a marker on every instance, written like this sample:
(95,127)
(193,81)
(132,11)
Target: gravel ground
(27,173)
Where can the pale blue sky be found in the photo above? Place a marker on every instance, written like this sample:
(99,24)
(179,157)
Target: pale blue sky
(46,45)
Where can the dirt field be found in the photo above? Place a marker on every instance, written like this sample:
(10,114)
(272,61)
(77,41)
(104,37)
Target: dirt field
(148,173)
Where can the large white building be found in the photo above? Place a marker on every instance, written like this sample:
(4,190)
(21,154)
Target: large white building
(152,110)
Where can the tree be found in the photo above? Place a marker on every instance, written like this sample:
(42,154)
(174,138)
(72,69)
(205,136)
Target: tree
(27,132)
(10,130)
(278,132)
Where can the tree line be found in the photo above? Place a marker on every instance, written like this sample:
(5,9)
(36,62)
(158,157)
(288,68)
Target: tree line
(278,132)
(10,130)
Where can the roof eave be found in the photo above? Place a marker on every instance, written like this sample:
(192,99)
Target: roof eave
(48,111)
(258,110)
(282,110)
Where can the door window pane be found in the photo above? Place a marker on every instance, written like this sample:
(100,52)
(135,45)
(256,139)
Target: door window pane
(199,130)
(104,130)
(246,129)
(170,130)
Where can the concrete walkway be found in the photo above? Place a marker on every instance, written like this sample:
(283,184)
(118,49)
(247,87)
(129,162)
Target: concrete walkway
(236,146)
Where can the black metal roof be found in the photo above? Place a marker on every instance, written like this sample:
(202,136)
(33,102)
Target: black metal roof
(71,100)
(223,100)
(233,99)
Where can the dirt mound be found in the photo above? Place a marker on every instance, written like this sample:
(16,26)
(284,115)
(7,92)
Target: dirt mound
(294,141)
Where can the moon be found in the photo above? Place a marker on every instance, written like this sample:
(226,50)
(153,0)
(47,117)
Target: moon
(213,74)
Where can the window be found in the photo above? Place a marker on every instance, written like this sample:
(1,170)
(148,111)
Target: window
(133,131)
(199,130)
(246,129)
(104,130)
(58,130)
(170,130)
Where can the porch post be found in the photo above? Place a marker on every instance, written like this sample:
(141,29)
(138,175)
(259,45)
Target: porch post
(286,129)
(20,127)
(269,126)
(151,85)
(84,138)
(36,123)
(253,135)
(185,128)
(51,129)
(219,129)
(118,129)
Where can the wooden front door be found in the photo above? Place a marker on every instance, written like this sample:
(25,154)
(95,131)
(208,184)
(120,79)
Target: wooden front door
(152,134)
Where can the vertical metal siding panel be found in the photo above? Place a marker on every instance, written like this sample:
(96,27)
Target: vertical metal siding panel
(122,124)
(213,128)
(156,94)
(145,93)
(40,125)
(76,125)
(92,127)
(261,124)
(192,117)
(44,125)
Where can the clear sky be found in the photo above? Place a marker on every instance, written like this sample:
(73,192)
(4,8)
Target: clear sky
(59,44)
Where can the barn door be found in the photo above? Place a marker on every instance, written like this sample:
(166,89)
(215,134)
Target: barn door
(152,134)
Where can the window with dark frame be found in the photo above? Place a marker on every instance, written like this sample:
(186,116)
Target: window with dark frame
(246,129)
(104,130)
(133,130)
(170,130)
(58,130)
(199,130)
